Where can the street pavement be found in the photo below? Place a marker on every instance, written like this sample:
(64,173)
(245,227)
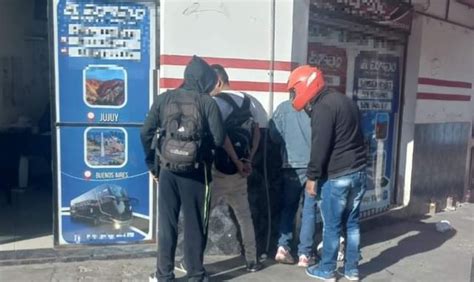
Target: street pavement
(409,250)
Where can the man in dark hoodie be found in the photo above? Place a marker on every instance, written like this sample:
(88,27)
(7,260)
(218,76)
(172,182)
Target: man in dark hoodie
(182,127)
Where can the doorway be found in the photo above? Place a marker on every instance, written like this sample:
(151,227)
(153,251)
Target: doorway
(26,193)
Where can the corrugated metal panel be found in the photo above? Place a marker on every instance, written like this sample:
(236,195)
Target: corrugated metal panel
(439,161)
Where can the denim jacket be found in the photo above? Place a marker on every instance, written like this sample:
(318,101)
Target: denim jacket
(292,130)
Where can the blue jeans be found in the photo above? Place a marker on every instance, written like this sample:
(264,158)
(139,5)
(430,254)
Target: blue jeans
(340,205)
(308,225)
(292,186)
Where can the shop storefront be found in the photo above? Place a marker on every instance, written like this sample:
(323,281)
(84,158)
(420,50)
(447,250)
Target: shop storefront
(360,46)
(105,59)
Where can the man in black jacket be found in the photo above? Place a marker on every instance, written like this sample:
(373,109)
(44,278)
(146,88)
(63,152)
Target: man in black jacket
(181,129)
(336,170)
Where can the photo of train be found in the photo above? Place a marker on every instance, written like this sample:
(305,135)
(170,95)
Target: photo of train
(104,204)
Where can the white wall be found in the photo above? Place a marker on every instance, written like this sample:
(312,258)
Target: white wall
(447,54)
(458,13)
(461,13)
(407,130)
(435,8)
(24,83)
(236,34)
(214,28)
(300,31)
(442,52)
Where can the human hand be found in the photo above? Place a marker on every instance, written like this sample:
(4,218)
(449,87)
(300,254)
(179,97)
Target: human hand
(242,168)
(248,167)
(311,188)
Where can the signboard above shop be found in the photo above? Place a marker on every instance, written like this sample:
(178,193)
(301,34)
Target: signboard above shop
(390,16)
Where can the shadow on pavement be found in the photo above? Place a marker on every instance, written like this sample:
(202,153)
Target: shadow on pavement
(423,238)
(229,269)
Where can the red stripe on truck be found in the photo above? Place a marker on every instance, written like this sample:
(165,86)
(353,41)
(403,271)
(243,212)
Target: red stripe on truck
(445,83)
(180,60)
(171,83)
(442,97)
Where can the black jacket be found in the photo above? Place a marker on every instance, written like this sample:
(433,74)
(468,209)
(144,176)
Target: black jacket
(337,144)
(199,79)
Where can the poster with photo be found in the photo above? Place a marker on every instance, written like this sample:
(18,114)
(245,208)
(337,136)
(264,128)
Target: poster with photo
(332,61)
(105,147)
(104,60)
(108,197)
(105,86)
(376,92)
(104,54)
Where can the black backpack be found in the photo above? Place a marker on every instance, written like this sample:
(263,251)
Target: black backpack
(239,127)
(181,133)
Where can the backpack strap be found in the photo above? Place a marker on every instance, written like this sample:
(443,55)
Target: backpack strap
(246,102)
(229,100)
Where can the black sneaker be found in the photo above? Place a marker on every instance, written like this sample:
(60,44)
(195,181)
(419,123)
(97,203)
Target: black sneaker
(253,266)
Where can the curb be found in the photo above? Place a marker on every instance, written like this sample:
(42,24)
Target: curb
(24,257)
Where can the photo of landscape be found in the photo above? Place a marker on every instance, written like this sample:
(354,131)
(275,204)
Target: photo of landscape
(105,86)
(106,147)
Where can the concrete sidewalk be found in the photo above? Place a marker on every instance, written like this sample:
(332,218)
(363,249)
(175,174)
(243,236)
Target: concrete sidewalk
(411,250)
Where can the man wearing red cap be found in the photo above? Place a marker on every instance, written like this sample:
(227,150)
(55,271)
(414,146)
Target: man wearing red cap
(336,170)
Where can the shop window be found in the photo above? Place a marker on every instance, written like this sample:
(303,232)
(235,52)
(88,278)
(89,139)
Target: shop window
(367,68)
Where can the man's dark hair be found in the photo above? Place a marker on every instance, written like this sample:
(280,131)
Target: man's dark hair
(221,73)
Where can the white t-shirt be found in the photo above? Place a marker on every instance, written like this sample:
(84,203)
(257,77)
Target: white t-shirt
(258,112)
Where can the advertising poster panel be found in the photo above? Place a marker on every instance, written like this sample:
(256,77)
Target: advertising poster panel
(332,61)
(105,195)
(376,90)
(104,64)
(104,60)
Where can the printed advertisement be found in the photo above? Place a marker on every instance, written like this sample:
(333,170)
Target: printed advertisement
(376,90)
(332,61)
(106,195)
(104,62)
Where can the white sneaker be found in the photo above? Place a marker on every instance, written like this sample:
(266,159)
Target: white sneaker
(284,256)
(340,256)
(305,261)
(340,253)
(180,266)
(152,278)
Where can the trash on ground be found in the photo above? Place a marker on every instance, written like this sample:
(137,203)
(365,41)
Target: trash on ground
(444,226)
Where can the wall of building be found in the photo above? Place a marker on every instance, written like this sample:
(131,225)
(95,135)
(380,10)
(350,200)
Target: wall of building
(449,10)
(407,126)
(24,79)
(438,108)
(238,35)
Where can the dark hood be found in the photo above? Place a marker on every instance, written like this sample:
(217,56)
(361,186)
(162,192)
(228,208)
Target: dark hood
(199,76)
